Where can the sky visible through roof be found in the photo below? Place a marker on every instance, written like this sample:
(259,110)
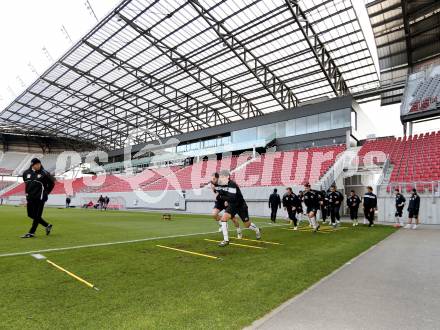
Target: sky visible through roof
(36,33)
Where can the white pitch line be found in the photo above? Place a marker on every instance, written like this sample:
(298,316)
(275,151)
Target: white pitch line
(101,244)
(13,254)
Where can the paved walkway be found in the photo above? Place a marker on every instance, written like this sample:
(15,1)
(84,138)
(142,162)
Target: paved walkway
(394,285)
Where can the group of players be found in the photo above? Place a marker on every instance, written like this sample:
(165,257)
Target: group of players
(330,202)
(327,203)
(230,200)
(413,209)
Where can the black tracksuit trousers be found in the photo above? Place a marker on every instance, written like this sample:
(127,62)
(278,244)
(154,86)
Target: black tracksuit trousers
(273,213)
(292,215)
(354,213)
(334,213)
(324,212)
(35,210)
(369,215)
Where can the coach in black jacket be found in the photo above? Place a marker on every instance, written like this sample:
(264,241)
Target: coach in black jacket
(274,205)
(39,184)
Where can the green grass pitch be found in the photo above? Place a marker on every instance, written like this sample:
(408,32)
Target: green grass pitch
(145,287)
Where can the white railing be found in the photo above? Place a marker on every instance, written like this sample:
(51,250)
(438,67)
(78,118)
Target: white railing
(423,187)
(386,166)
(343,161)
(10,187)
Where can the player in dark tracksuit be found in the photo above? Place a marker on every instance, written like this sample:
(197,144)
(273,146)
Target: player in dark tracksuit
(370,205)
(311,200)
(101,202)
(231,195)
(335,199)
(219,205)
(324,206)
(353,202)
(68,200)
(106,202)
(38,184)
(413,209)
(290,203)
(400,204)
(274,205)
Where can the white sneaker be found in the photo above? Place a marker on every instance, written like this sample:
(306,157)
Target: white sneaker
(258,234)
(354,224)
(337,221)
(295,228)
(408,226)
(239,235)
(414,227)
(223,243)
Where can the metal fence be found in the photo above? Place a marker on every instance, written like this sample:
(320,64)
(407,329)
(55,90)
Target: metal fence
(426,188)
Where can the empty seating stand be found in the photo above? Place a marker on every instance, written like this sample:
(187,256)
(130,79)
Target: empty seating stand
(288,167)
(16,191)
(11,161)
(426,95)
(195,176)
(271,169)
(15,163)
(6,184)
(415,159)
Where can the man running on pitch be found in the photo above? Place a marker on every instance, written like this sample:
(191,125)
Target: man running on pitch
(311,200)
(219,206)
(335,199)
(230,193)
(291,202)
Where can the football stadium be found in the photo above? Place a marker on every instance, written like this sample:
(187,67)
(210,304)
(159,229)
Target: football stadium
(220,164)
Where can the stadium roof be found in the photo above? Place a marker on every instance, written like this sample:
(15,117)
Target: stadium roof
(407,33)
(177,66)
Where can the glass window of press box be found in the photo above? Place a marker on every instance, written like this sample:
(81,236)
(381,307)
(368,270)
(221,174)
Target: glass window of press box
(303,125)
(210,143)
